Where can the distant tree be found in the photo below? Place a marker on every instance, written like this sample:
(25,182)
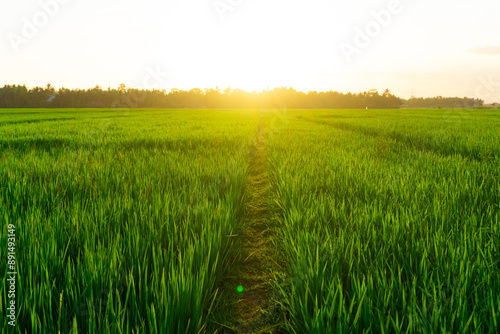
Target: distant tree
(12,96)
(442,102)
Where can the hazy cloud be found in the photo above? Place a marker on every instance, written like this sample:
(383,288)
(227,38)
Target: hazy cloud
(486,50)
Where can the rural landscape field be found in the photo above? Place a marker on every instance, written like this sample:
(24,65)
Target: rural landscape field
(252,221)
(249,167)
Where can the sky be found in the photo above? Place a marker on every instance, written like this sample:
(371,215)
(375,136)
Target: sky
(430,48)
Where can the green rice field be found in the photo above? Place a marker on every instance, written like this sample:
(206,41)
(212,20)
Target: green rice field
(132,221)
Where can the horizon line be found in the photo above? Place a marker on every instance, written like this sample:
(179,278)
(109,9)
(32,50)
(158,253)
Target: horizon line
(267,89)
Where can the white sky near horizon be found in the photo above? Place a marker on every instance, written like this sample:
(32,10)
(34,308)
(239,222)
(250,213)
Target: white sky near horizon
(444,47)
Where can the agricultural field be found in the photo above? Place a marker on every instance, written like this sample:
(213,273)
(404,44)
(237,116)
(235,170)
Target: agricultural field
(251,221)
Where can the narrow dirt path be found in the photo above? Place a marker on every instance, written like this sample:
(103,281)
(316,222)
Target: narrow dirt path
(256,267)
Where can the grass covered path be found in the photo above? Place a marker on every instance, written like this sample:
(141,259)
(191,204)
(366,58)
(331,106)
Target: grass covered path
(254,270)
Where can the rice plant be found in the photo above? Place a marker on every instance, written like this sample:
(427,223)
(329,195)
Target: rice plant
(381,235)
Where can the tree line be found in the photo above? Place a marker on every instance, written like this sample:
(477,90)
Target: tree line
(19,96)
(442,102)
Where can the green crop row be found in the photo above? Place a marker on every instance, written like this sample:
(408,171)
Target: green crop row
(380,235)
(124,220)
